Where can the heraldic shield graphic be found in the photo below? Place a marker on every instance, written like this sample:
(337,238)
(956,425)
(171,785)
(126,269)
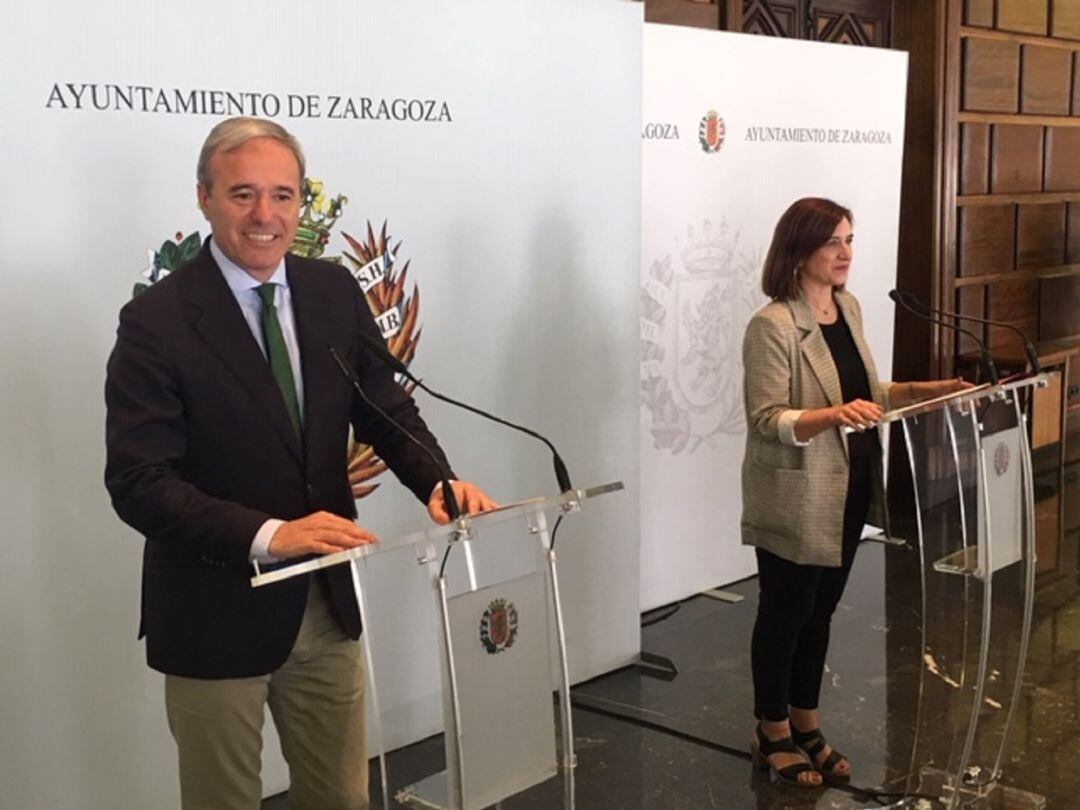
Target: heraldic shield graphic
(711,132)
(695,303)
(372,260)
(499,626)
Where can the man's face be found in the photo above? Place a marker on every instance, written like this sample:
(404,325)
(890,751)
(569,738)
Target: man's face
(253,204)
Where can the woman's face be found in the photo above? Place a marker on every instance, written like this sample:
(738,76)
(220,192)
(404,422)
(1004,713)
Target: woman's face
(830,263)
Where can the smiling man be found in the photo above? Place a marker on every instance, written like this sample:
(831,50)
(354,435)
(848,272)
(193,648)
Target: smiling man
(226,439)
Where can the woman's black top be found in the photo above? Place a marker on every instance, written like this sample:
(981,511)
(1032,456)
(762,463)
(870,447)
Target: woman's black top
(854,384)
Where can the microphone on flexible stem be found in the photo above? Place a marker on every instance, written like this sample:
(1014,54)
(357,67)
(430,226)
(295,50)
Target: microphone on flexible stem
(1029,350)
(448,491)
(987,362)
(562,476)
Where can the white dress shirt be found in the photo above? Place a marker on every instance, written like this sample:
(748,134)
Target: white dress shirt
(243,287)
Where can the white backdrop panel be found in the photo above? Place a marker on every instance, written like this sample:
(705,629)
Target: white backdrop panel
(520,217)
(798,119)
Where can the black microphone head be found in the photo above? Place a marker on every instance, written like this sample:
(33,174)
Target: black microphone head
(895,296)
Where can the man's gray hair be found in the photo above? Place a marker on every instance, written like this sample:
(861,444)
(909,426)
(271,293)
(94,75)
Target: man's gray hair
(235,132)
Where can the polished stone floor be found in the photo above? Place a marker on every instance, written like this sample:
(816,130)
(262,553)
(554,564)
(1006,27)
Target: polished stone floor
(644,742)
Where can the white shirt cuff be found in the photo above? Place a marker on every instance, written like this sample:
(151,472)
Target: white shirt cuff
(785,427)
(260,546)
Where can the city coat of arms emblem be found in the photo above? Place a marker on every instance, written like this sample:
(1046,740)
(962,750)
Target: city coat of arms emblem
(711,132)
(499,626)
(373,261)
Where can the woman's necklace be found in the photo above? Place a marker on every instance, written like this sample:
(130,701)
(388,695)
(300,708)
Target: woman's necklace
(825,311)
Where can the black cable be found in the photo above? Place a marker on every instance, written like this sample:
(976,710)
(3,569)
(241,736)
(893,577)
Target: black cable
(449,498)
(562,476)
(445,557)
(558,522)
(685,736)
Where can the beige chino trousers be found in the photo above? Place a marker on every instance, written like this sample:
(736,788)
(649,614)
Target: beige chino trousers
(317,701)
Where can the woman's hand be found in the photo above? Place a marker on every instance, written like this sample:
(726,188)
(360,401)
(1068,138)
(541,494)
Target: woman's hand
(858,414)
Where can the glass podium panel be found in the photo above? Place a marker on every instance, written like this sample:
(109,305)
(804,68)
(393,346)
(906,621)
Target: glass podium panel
(971,481)
(482,595)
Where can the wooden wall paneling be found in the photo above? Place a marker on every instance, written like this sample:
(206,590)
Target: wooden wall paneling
(949,250)
(1040,236)
(1072,384)
(1059,305)
(1024,16)
(979,13)
(974,158)
(971,301)
(1047,534)
(1076,84)
(1065,19)
(1072,236)
(1047,80)
(1072,497)
(691,13)
(773,19)
(1063,159)
(1015,301)
(1005,341)
(987,240)
(830,23)
(916,29)
(732,15)
(1016,164)
(991,75)
(1046,427)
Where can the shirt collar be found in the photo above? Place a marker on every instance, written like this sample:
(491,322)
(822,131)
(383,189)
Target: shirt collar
(239,280)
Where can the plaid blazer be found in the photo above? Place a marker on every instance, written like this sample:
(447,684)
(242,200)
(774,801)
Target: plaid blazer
(793,496)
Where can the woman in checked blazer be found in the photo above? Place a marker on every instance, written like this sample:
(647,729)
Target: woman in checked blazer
(807,488)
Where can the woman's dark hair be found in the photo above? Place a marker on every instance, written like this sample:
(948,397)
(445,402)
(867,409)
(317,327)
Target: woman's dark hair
(804,227)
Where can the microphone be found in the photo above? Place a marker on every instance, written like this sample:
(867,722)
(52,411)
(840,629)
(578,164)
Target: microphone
(987,362)
(562,476)
(448,491)
(1029,350)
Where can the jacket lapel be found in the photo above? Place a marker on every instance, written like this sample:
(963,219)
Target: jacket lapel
(216,318)
(816,351)
(321,376)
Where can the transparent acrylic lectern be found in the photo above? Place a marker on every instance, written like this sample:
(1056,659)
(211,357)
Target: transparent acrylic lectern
(499,646)
(974,527)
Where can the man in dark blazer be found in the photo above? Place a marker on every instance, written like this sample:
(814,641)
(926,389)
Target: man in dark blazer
(226,435)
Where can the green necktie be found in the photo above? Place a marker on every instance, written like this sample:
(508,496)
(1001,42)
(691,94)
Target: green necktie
(278,354)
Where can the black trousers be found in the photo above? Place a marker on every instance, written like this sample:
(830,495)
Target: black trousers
(795,608)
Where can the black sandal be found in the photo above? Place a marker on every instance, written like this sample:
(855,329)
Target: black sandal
(813,743)
(761,747)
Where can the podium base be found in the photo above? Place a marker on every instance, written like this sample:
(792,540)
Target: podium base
(988,796)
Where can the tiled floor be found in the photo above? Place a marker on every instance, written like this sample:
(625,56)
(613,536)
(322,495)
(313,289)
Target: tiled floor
(870,705)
